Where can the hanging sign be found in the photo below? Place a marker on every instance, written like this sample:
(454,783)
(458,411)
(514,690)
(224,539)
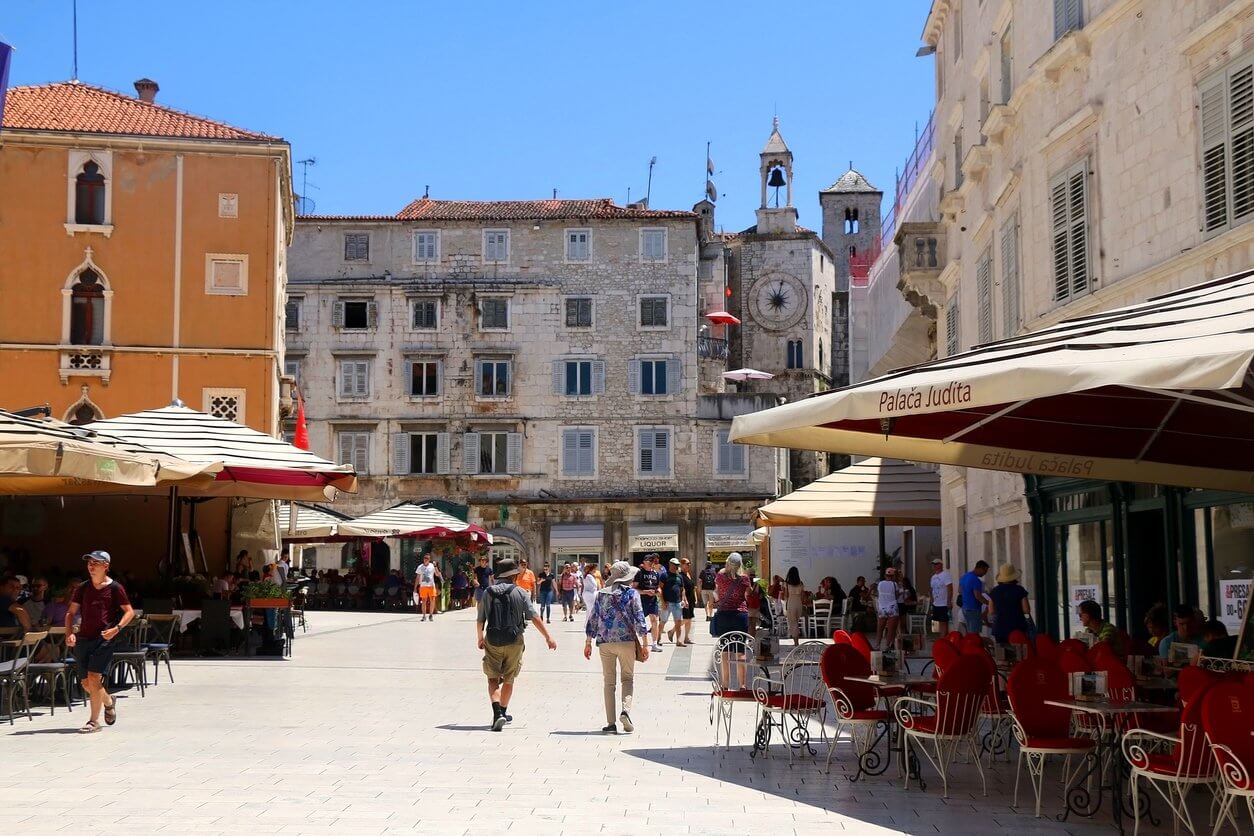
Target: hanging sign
(1234,597)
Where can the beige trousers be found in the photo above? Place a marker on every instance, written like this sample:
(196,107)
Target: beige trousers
(624,654)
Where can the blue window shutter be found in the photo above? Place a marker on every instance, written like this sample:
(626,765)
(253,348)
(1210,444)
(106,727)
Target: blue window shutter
(662,452)
(570,452)
(587,452)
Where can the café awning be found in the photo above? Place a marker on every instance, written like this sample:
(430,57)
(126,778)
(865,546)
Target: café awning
(865,493)
(313,524)
(417,522)
(49,457)
(1158,392)
(253,464)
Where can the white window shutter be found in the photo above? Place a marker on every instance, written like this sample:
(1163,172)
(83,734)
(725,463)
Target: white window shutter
(1078,214)
(509,378)
(570,452)
(346,385)
(400,453)
(361,452)
(409,378)
(674,375)
(738,458)
(478,384)
(1058,227)
(661,452)
(984,292)
(1213,107)
(470,452)
(722,459)
(441,453)
(362,386)
(953,322)
(439,377)
(346,448)
(513,453)
(559,377)
(337,315)
(372,314)
(633,377)
(1010,276)
(598,377)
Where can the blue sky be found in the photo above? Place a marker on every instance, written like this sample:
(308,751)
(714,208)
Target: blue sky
(495,100)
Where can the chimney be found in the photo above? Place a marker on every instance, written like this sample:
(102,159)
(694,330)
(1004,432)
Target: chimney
(146,89)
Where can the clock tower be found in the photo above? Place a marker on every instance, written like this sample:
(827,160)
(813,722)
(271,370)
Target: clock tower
(782,277)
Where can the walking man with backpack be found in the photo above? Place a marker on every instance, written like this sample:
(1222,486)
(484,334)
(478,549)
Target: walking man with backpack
(504,611)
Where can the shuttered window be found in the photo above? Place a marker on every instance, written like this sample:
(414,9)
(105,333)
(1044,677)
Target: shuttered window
(1011,317)
(291,313)
(579,312)
(423,453)
(579,451)
(1226,108)
(423,377)
(653,311)
(356,246)
(425,314)
(496,245)
(1068,15)
(729,458)
(355,314)
(984,294)
(426,246)
(353,449)
(492,378)
(354,378)
(953,318)
(578,378)
(492,452)
(653,446)
(652,245)
(494,314)
(654,376)
(1069,221)
(577,244)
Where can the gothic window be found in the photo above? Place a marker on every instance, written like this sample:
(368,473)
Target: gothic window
(851,221)
(796,359)
(87,310)
(89,195)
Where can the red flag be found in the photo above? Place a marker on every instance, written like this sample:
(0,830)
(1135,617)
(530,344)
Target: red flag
(302,429)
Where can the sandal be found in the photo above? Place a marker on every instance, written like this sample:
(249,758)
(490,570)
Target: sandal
(111,714)
(90,727)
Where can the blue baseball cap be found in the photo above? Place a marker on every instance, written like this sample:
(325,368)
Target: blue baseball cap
(102,556)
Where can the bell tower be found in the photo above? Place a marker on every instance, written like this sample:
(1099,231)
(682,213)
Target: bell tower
(775,173)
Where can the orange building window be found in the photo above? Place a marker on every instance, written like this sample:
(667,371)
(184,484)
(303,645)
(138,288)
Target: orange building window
(87,304)
(89,195)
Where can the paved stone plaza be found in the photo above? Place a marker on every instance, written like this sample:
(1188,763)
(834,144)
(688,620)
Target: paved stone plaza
(378,724)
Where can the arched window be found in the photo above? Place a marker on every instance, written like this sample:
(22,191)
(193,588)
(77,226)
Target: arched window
(89,195)
(851,221)
(87,310)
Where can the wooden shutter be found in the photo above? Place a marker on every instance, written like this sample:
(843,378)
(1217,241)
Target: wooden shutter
(984,292)
(633,376)
(953,320)
(598,377)
(1058,231)
(570,452)
(361,383)
(361,452)
(509,377)
(400,453)
(372,314)
(441,453)
(661,451)
(1010,276)
(1078,220)
(587,452)
(410,388)
(513,453)
(346,383)
(1213,110)
(645,464)
(478,384)
(470,452)
(722,459)
(1066,17)
(559,377)
(337,315)
(737,457)
(674,375)
(346,448)
(1241,138)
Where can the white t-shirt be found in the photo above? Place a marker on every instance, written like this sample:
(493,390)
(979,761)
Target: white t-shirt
(281,569)
(426,574)
(887,592)
(940,595)
(589,584)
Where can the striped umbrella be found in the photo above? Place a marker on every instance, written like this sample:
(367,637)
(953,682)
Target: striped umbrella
(415,522)
(254,464)
(313,524)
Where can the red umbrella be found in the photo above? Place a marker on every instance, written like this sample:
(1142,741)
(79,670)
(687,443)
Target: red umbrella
(302,429)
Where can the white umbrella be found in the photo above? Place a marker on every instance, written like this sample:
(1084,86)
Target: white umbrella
(747,374)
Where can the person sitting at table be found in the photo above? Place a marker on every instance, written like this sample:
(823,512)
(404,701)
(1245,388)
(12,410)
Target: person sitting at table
(1008,606)
(37,604)
(56,610)
(1091,619)
(1218,643)
(1188,629)
(1157,624)
(243,565)
(12,614)
(222,585)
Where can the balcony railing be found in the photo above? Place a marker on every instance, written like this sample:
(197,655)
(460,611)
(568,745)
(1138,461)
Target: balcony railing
(712,348)
(924,143)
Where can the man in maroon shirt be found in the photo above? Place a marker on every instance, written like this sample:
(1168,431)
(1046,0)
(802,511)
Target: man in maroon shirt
(105,610)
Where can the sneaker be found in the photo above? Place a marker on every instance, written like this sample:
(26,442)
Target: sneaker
(498,720)
(625,719)
(509,718)
(657,648)
(610,729)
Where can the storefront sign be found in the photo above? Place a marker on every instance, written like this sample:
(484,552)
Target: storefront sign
(576,539)
(1234,597)
(654,538)
(1080,594)
(728,537)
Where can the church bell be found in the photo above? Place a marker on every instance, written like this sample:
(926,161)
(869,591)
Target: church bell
(777,178)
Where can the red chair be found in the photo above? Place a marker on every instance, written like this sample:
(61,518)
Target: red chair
(1074,645)
(1020,639)
(1071,662)
(953,637)
(860,644)
(1193,681)
(953,720)
(854,701)
(1042,730)
(1046,647)
(1186,764)
(1098,653)
(944,654)
(1227,719)
(972,640)
(841,637)
(994,708)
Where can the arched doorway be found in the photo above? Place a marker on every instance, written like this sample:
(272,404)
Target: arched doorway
(509,545)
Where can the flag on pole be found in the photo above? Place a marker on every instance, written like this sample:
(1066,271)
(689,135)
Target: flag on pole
(710,191)
(709,165)
(6,58)
(302,429)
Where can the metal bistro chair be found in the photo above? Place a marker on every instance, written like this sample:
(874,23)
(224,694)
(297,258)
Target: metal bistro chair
(954,719)
(13,674)
(796,696)
(131,657)
(729,680)
(57,670)
(163,629)
(1227,717)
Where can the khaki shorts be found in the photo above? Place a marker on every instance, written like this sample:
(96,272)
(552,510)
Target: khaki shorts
(502,662)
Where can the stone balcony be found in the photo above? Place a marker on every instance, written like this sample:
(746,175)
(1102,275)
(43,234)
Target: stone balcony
(922,255)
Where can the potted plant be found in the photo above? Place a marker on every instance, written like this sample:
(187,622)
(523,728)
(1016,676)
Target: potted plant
(261,594)
(190,590)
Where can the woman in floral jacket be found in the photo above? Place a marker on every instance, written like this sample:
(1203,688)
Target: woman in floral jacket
(616,622)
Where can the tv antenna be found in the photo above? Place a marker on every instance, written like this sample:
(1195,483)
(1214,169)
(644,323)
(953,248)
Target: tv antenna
(74,77)
(648,192)
(306,205)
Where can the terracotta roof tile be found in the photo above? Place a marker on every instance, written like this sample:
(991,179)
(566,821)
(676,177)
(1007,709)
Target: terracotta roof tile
(72,106)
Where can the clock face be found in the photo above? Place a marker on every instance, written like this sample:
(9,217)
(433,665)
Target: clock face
(778,301)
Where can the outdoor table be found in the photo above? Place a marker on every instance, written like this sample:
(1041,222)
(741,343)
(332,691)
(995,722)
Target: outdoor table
(8,648)
(869,763)
(1109,749)
(186,617)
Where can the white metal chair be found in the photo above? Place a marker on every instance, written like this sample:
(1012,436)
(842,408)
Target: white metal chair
(729,680)
(818,622)
(1228,717)
(1174,773)
(797,696)
(952,722)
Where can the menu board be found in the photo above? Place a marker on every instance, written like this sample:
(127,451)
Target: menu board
(841,551)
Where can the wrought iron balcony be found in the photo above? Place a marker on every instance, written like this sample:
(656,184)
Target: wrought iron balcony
(712,348)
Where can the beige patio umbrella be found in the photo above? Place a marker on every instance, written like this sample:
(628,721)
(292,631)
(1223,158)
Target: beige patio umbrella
(870,492)
(1158,392)
(50,458)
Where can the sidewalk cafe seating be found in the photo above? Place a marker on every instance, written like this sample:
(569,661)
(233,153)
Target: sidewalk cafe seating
(14,675)
(163,628)
(1073,645)
(733,653)
(54,671)
(994,708)
(131,657)
(953,721)
(819,620)
(1020,639)
(1046,647)
(855,701)
(1227,719)
(1042,730)
(796,698)
(1174,765)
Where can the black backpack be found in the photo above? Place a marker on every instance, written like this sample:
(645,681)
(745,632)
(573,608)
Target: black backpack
(506,620)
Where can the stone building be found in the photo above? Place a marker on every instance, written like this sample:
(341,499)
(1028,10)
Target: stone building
(545,363)
(782,278)
(851,230)
(1088,155)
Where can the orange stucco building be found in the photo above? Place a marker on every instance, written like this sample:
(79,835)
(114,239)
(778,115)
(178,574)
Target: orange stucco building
(142,255)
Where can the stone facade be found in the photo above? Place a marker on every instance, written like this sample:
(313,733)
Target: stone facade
(1108,104)
(373,300)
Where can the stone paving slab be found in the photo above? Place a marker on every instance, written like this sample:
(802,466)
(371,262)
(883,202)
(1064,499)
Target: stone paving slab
(378,724)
